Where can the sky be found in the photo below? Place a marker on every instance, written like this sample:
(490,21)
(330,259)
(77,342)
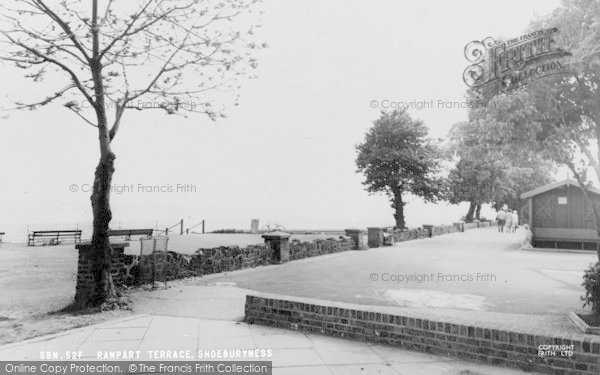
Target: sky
(286,154)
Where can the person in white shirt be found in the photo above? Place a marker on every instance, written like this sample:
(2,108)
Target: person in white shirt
(515,220)
(509,222)
(501,218)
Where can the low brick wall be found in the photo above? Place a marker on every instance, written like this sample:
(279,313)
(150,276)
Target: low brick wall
(436,230)
(300,250)
(482,344)
(170,265)
(409,234)
(471,225)
(440,230)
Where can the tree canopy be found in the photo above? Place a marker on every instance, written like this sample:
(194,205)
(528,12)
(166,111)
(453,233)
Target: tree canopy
(396,157)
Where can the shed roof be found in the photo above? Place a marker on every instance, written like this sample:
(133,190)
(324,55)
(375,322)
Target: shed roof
(554,185)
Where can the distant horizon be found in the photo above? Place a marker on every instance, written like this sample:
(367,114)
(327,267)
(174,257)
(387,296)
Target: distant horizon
(17,232)
(286,154)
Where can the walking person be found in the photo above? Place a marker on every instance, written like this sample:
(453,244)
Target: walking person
(501,218)
(515,220)
(509,221)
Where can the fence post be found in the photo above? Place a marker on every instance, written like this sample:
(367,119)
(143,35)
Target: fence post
(202,226)
(375,237)
(154,263)
(359,238)
(279,243)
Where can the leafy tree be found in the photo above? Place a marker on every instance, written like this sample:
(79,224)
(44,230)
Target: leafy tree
(473,177)
(397,158)
(568,105)
(558,117)
(111,56)
(471,181)
(491,168)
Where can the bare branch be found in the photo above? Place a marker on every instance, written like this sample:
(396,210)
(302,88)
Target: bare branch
(119,114)
(128,32)
(48,59)
(44,102)
(76,111)
(46,10)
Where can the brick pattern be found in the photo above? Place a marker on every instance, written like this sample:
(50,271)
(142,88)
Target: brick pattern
(493,346)
(472,225)
(118,264)
(409,234)
(301,250)
(87,266)
(170,265)
(437,230)
(440,230)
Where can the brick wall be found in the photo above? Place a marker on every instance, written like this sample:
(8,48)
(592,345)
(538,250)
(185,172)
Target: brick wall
(436,230)
(171,265)
(482,344)
(131,269)
(440,230)
(409,234)
(300,250)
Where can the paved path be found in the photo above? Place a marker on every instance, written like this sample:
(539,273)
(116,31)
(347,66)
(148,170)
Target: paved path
(292,352)
(479,270)
(530,289)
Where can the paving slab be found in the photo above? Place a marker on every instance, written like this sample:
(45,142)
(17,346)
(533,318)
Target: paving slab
(291,352)
(117,334)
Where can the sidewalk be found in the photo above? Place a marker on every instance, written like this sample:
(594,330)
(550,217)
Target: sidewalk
(292,352)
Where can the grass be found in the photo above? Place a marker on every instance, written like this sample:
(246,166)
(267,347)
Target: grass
(38,282)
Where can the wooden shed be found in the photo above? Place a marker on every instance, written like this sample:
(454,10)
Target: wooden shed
(560,217)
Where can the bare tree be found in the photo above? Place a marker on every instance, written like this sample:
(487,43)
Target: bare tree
(114,55)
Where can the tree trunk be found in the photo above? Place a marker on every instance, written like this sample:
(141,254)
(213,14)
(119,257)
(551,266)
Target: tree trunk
(471,211)
(478,211)
(398,206)
(99,258)
(99,262)
(102,216)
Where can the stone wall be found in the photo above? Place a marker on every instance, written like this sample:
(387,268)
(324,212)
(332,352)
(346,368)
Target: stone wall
(472,225)
(170,265)
(87,267)
(503,347)
(439,230)
(300,250)
(436,230)
(132,270)
(409,234)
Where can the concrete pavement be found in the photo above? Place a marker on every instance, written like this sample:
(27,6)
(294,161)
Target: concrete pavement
(291,352)
(531,289)
(480,270)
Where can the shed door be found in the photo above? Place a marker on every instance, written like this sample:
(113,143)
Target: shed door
(544,208)
(562,208)
(577,208)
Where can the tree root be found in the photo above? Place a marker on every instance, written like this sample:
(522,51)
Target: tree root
(121,302)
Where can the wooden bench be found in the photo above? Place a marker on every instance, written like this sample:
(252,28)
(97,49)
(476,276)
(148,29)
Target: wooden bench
(130,232)
(54,236)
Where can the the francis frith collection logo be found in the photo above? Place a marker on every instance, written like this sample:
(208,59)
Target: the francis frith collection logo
(515,62)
